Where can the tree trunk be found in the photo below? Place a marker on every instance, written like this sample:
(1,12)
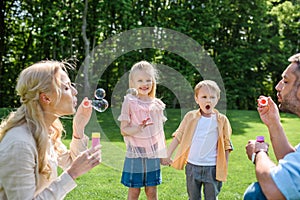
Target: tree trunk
(87,52)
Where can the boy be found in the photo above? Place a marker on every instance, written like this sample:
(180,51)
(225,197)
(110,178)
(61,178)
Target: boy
(204,138)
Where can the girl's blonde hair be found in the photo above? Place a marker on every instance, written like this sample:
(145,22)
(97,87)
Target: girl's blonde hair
(148,68)
(42,77)
(210,84)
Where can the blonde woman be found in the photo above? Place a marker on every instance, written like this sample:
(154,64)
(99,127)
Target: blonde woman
(30,138)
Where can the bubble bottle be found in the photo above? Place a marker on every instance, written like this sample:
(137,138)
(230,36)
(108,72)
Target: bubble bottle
(95,139)
(260,139)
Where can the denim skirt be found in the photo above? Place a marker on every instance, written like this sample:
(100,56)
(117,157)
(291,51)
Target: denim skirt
(140,172)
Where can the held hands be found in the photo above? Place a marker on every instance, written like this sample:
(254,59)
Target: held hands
(85,162)
(254,147)
(81,119)
(166,161)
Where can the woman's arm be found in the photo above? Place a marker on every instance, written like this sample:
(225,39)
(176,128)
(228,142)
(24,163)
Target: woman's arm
(19,172)
(81,119)
(79,141)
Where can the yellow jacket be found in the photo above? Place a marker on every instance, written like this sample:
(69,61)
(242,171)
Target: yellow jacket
(185,132)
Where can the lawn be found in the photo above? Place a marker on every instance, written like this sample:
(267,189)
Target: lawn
(103,182)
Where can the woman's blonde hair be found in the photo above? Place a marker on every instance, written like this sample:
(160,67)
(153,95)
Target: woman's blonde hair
(148,68)
(42,77)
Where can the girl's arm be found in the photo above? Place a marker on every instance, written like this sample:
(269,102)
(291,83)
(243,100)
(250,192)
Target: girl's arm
(172,147)
(128,130)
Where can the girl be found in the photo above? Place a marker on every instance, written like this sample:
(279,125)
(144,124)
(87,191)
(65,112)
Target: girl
(142,121)
(30,138)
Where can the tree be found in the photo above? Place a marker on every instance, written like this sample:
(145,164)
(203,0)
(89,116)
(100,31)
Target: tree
(248,40)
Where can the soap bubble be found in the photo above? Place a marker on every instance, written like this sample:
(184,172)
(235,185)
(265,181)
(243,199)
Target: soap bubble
(100,93)
(132,91)
(100,105)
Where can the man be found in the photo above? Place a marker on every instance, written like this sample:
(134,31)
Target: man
(280,181)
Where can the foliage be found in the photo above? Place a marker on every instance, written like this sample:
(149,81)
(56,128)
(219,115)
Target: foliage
(249,41)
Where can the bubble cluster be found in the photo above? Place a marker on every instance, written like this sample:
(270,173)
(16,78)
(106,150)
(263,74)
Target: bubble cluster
(100,104)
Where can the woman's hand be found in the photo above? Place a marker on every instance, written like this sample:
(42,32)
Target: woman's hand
(81,119)
(85,162)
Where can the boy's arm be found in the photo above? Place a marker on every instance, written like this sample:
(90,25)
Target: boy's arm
(171,149)
(227,132)
(227,156)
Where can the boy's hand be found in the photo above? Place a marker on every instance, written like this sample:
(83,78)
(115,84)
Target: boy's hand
(166,161)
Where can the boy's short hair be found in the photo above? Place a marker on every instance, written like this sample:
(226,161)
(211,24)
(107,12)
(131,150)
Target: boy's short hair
(209,83)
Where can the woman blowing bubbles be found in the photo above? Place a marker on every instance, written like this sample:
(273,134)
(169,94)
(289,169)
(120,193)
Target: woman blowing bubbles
(30,138)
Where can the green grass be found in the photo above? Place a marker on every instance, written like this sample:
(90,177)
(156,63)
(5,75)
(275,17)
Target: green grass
(103,182)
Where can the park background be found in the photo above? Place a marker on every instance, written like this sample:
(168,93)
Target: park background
(249,41)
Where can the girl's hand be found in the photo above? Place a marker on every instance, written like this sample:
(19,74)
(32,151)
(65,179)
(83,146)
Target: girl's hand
(166,161)
(269,114)
(146,122)
(85,162)
(81,119)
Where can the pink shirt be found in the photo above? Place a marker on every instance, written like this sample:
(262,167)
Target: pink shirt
(150,142)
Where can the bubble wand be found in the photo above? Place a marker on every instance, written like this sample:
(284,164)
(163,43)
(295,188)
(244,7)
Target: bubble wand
(263,101)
